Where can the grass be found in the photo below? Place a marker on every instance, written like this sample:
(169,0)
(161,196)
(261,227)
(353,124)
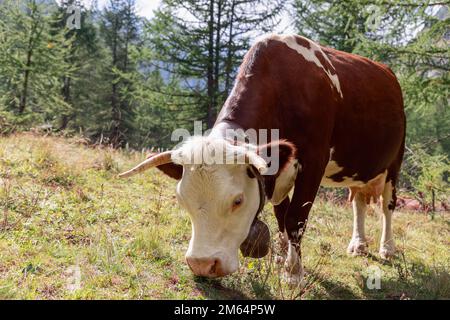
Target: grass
(70,230)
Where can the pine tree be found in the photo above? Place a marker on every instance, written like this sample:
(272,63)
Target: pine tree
(32,57)
(202,42)
(119,27)
(84,47)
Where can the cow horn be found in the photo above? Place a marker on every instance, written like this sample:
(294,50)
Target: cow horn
(157,160)
(258,162)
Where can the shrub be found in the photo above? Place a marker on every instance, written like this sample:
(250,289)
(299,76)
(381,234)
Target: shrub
(425,174)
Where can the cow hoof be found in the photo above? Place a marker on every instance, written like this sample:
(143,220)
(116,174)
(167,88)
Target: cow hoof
(357,247)
(387,251)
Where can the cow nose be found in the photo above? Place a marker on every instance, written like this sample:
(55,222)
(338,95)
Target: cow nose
(206,267)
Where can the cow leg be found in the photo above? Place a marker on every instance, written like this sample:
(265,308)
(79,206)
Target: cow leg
(358,244)
(387,246)
(306,185)
(280,212)
(282,243)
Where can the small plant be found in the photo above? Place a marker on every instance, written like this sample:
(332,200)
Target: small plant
(427,176)
(43,157)
(7,125)
(107,162)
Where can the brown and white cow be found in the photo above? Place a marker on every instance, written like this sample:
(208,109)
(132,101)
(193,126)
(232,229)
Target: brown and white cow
(342,123)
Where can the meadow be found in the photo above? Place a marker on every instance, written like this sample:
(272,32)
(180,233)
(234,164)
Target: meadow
(69,229)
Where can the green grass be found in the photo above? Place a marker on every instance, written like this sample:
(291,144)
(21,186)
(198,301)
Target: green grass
(63,213)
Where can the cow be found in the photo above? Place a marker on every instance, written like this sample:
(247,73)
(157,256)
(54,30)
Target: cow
(341,123)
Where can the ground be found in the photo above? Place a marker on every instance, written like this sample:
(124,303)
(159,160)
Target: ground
(69,229)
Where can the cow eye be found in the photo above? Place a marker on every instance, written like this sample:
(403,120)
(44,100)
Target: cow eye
(238,201)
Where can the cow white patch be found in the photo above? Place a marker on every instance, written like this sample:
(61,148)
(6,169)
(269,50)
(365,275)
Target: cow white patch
(387,245)
(333,168)
(372,188)
(309,54)
(207,191)
(358,244)
(284,183)
(293,267)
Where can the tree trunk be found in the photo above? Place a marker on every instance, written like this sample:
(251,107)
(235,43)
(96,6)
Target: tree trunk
(210,67)
(229,62)
(66,88)
(115,113)
(24,93)
(26,76)
(217,56)
(65,118)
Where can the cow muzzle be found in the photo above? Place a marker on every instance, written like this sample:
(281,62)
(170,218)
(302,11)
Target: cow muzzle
(206,267)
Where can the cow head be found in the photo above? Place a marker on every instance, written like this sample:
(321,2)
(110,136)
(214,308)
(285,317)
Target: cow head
(219,187)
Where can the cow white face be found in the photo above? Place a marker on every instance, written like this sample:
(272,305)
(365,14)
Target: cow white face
(221,197)
(219,190)
(222,201)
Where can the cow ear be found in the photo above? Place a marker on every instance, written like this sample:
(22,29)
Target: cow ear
(286,151)
(171,169)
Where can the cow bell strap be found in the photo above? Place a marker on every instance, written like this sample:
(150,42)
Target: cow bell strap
(262,193)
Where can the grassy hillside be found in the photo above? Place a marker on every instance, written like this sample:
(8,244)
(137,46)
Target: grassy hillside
(70,229)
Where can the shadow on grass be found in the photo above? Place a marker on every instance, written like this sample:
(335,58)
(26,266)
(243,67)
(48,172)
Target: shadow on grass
(261,290)
(214,289)
(332,290)
(408,279)
(413,280)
